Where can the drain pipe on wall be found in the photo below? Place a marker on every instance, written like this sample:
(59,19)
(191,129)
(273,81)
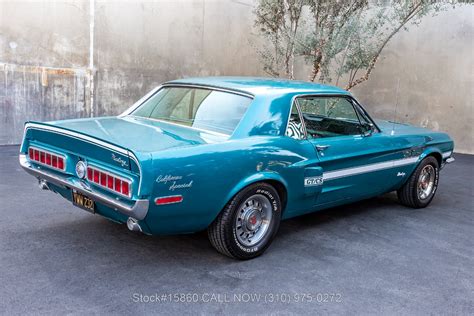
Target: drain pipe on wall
(91,55)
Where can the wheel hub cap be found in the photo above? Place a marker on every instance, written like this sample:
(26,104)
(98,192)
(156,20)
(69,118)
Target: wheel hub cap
(253,220)
(426,182)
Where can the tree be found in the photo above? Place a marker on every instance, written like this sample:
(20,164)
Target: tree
(337,38)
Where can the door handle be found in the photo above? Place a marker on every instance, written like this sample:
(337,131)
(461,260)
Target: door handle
(322,147)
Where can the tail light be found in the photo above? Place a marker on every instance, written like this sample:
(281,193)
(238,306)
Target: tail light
(109,181)
(47,158)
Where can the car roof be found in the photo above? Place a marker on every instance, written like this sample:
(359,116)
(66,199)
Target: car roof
(261,86)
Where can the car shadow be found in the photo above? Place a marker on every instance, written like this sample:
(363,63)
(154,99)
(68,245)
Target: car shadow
(94,237)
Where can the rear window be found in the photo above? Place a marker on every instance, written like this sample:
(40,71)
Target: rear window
(206,109)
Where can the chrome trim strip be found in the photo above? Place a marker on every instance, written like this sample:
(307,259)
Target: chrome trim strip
(331,175)
(138,211)
(208,87)
(447,154)
(450,160)
(88,139)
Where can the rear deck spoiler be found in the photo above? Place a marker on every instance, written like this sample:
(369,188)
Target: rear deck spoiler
(83,137)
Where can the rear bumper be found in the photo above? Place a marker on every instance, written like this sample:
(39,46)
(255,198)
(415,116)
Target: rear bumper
(137,210)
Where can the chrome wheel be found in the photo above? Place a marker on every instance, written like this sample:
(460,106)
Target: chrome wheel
(253,220)
(426,182)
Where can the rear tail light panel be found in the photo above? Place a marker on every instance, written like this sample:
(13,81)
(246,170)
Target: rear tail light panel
(109,181)
(47,158)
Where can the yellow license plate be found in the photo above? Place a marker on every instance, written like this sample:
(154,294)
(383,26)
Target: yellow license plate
(83,201)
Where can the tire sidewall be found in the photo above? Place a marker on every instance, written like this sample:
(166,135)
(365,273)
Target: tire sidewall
(272,195)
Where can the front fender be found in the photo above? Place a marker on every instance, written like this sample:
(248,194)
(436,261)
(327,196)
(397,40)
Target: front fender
(433,151)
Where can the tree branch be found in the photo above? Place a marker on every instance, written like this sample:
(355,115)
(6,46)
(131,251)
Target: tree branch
(412,13)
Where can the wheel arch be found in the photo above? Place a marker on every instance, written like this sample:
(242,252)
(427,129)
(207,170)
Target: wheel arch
(271,178)
(433,153)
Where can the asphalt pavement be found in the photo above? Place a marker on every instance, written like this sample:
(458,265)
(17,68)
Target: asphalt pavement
(371,257)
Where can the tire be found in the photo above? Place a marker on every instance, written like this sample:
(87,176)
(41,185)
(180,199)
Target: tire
(410,193)
(224,232)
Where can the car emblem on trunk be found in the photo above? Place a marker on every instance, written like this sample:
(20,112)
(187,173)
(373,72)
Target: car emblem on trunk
(119,160)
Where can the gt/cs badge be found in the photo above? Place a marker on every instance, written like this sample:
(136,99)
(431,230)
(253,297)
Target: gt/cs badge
(313,181)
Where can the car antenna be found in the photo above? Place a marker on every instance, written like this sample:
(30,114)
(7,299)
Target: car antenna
(396,106)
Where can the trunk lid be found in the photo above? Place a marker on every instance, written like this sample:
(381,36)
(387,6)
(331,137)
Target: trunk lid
(120,145)
(140,135)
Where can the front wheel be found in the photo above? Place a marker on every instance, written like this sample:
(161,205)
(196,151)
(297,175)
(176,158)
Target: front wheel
(249,222)
(421,186)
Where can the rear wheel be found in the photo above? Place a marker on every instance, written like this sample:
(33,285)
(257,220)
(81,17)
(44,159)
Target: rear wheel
(421,186)
(249,222)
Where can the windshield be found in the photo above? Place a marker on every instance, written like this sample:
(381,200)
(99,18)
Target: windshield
(206,109)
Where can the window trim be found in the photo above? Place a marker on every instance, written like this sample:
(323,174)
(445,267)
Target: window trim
(359,108)
(356,106)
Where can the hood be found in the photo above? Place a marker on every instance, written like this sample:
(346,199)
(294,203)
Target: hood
(400,128)
(140,134)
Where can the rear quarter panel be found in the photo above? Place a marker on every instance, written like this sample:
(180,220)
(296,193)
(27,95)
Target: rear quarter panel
(209,176)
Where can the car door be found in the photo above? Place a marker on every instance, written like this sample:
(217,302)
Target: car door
(352,154)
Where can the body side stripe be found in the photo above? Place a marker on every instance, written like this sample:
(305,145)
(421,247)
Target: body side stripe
(331,175)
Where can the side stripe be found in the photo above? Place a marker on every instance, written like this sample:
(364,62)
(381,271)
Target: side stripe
(331,175)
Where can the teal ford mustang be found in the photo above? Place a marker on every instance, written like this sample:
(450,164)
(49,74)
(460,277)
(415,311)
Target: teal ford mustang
(233,156)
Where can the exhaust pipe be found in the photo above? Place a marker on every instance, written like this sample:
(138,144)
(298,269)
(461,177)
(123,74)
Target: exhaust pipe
(43,185)
(133,225)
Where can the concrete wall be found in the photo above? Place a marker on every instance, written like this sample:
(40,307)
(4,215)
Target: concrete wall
(434,64)
(43,60)
(45,70)
(45,46)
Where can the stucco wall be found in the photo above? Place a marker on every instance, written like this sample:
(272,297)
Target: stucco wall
(45,70)
(43,55)
(434,65)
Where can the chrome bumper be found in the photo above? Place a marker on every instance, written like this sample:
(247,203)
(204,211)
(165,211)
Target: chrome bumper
(138,210)
(447,161)
(450,160)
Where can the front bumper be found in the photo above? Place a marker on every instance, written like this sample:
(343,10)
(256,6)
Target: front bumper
(138,210)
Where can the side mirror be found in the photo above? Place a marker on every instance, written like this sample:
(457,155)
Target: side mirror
(367,129)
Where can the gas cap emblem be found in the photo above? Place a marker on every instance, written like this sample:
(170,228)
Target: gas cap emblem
(81,169)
